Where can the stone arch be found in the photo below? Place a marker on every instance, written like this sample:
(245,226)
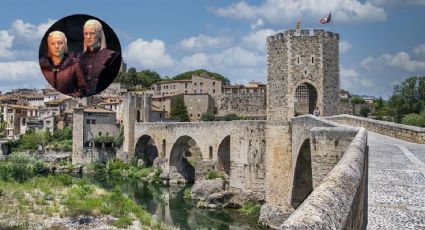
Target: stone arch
(184,151)
(224,155)
(146,150)
(303,181)
(305,99)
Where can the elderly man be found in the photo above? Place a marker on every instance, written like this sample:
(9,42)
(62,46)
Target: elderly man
(100,65)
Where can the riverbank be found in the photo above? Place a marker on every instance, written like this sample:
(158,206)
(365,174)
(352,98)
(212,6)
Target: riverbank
(64,202)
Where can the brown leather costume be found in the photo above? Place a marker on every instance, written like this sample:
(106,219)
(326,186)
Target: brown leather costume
(100,67)
(67,77)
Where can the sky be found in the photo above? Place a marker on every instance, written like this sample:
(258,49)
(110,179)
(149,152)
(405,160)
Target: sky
(382,42)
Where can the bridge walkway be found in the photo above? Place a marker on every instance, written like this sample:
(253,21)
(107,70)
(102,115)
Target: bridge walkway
(396,193)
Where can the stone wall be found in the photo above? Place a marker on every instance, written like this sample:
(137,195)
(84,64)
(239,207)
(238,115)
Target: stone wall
(404,132)
(250,104)
(198,104)
(339,201)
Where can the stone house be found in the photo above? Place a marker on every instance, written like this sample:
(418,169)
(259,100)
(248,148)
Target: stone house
(89,124)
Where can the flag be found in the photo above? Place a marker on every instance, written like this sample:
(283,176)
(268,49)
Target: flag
(326,19)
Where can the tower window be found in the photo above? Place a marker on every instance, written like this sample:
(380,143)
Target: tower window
(298,60)
(312,59)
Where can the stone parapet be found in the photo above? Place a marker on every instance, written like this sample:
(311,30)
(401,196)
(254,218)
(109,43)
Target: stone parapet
(400,131)
(338,202)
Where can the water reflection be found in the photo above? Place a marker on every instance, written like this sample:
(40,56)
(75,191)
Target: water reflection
(168,205)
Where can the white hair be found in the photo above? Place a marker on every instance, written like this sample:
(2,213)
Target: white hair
(98,27)
(57,33)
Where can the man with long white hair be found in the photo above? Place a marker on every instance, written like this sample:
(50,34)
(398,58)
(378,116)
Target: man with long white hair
(97,61)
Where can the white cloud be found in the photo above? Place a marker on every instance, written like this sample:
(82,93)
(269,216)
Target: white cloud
(21,74)
(28,31)
(284,11)
(400,60)
(419,50)
(203,41)
(353,82)
(196,61)
(259,23)
(148,54)
(349,73)
(235,57)
(6,41)
(344,46)
(396,3)
(257,39)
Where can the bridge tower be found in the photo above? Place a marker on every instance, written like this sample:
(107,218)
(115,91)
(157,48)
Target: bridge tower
(137,108)
(302,73)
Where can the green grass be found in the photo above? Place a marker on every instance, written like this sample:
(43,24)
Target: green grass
(186,193)
(251,208)
(68,196)
(213,174)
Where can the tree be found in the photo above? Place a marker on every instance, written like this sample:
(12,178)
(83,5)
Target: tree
(414,119)
(357,100)
(179,110)
(2,128)
(364,111)
(188,75)
(408,97)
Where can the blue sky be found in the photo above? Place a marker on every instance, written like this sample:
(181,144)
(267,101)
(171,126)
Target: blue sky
(381,41)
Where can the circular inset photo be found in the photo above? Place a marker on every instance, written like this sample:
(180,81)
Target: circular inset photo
(80,55)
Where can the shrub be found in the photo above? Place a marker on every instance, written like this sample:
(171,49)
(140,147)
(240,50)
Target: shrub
(414,119)
(186,193)
(251,208)
(123,222)
(115,165)
(207,117)
(230,117)
(213,174)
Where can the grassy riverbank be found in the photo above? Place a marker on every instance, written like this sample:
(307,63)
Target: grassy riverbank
(31,198)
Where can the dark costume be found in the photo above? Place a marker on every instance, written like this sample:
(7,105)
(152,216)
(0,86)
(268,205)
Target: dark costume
(67,77)
(100,67)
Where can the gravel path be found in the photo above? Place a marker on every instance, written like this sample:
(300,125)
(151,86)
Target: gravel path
(396,194)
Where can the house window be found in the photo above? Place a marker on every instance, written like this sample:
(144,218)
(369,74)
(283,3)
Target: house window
(88,121)
(199,115)
(194,91)
(195,84)
(100,133)
(213,83)
(191,115)
(213,91)
(93,122)
(185,85)
(200,91)
(201,84)
(107,133)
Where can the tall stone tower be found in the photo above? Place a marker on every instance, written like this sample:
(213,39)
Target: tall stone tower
(303,66)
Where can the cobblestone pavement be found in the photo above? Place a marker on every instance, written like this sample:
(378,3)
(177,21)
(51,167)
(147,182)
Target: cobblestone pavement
(396,194)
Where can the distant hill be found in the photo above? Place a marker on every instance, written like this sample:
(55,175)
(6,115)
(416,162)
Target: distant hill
(188,75)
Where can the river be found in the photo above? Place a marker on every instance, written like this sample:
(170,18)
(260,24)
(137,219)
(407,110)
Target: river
(167,204)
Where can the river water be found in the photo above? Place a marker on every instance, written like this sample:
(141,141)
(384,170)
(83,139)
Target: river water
(167,204)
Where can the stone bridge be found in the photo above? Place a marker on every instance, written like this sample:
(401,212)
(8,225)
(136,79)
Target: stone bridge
(236,148)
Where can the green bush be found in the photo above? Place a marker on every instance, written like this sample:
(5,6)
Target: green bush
(207,117)
(186,193)
(357,100)
(213,174)
(116,165)
(251,208)
(414,119)
(230,117)
(123,222)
